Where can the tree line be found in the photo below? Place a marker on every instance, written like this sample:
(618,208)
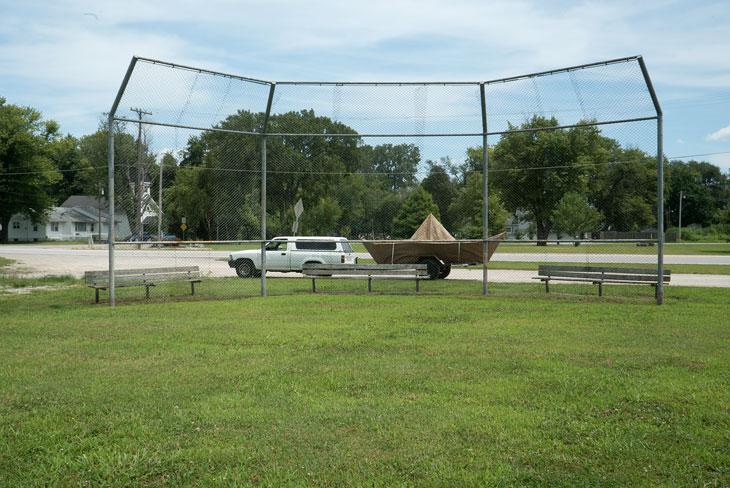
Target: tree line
(564,181)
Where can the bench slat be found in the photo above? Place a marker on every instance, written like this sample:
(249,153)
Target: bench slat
(372,272)
(594,280)
(604,276)
(149,274)
(147,277)
(363,272)
(599,269)
(364,266)
(124,272)
(599,275)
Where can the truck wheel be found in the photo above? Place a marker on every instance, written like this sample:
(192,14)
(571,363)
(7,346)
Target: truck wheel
(434,267)
(245,268)
(445,270)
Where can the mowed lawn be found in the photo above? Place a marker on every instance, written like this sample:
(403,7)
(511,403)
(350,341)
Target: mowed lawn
(366,390)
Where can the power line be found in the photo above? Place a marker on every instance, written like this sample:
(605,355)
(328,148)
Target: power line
(345,172)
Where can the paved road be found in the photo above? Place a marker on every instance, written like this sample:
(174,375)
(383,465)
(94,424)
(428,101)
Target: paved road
(74,260)
(609,258)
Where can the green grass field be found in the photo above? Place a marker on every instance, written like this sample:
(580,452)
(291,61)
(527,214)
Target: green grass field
(346,388)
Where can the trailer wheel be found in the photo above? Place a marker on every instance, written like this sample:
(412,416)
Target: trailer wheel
(434,267)
(445,270)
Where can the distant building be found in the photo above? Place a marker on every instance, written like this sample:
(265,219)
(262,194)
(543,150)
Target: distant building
(76,219)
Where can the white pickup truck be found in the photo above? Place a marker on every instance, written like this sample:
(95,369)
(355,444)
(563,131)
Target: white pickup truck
(290,253)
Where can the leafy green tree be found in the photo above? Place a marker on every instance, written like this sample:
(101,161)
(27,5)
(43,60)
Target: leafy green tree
(534,169)
(351,193)
(395,165)
(75,171)
(439,185)
(573,215)
(381,206)
(413,212)
(625,192)
(467,210)
(723,218)
(474,162)
(305,167)
(26,166)
(322,219)
(190,197)
(703,187)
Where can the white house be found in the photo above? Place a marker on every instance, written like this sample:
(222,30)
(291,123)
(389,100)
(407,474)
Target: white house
(76,219)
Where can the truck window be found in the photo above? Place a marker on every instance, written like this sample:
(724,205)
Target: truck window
(317,245)
(276,246)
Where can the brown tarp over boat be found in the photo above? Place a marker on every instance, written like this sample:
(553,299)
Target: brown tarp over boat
(431,239)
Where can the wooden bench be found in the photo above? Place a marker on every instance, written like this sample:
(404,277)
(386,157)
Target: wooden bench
(416,272)
(599,275)
(99,280)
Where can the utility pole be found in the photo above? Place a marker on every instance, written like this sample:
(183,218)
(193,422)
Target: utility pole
(140,189)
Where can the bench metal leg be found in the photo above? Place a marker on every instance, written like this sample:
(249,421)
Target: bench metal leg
(147,292)
(97,295)
(600,288)
(547,286)
(370,280)
(417,280)
(314,287)
(192,288)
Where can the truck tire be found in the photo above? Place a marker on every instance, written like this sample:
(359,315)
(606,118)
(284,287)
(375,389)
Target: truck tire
(434,267)
(245,268)
(445,270)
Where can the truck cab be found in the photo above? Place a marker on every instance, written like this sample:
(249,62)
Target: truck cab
(289,254)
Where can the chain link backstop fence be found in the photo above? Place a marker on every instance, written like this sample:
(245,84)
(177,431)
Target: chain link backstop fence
(207,164)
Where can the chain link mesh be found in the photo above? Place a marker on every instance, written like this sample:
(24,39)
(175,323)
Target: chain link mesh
(572,169)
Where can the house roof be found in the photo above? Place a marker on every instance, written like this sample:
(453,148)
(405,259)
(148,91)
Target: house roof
(83,208)
(84,201)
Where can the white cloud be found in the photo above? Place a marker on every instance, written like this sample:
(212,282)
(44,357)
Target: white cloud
(720,135)
(55,57)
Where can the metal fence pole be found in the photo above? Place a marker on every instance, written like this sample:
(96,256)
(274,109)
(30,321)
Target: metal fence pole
(660,183)
(110,164)
(263,216)
(263,188)
(485,194)
(110,232)
(660,211)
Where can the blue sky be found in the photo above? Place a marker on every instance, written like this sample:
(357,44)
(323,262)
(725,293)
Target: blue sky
(67,58)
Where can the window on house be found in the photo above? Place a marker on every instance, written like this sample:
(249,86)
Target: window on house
(80,226)
(92,227)
(16,225)
(35,227)
(54,226)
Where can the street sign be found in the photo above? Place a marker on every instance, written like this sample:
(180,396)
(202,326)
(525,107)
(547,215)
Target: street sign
(298,208)
(183,220)
(183,227)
